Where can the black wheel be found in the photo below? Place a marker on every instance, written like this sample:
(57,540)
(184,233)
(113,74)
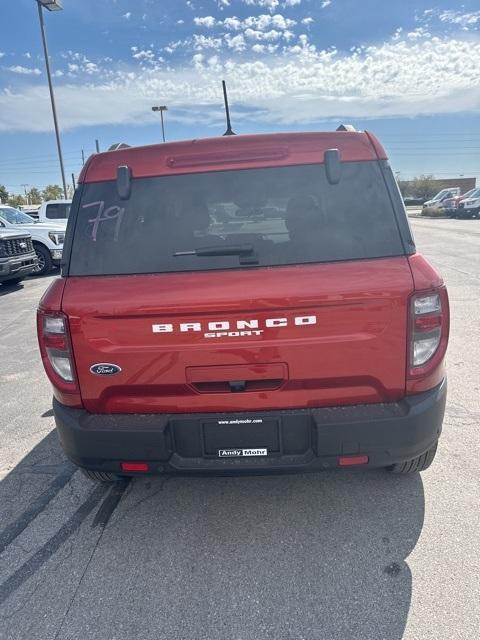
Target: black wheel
(44,260)
(419,463)
(13,282)
(104,477)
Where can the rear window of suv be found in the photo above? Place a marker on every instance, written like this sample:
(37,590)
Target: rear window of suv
(58,211)
(264,217)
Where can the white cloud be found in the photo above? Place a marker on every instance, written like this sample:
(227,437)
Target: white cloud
(206,42)
(143,54)
(301,85)
(206,21)
(27,55)
(262,27)
(25,71)
(325,3)
(180,21)
(419,32)
(197,60)
(91,68)
(264,48)
(237,43)
(271,5)
(307,20)
(223,3)
(127,15)
(233,23)
(464,20)
(263,22)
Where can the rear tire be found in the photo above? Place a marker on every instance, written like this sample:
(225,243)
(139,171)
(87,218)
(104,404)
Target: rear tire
(104,477)
(420,463)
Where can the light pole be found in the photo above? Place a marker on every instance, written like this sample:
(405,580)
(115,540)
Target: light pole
(52,5)
(161,108)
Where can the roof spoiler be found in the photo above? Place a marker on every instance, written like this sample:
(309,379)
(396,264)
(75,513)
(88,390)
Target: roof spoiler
(346,127)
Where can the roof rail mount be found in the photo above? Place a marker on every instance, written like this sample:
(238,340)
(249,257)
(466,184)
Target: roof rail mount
(346,127)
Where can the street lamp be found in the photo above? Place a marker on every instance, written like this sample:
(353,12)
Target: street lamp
(52,5)
(161,108)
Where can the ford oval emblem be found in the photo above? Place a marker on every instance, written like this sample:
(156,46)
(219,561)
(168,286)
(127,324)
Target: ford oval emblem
(105,369)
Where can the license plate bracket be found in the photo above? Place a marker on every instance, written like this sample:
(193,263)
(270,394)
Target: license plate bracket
(242,434)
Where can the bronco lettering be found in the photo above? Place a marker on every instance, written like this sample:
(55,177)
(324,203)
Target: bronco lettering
(221,328)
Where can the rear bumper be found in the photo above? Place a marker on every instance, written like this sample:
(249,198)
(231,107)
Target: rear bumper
(298,440)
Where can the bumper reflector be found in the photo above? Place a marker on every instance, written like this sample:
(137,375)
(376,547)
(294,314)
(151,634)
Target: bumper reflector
(345,461)
(137,467)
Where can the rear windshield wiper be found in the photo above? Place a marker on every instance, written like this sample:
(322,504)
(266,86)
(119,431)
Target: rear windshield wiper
(219,250)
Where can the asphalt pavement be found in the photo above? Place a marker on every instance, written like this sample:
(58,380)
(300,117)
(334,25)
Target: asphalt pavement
(336,555)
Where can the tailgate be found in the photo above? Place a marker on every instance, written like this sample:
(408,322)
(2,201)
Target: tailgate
(261,339)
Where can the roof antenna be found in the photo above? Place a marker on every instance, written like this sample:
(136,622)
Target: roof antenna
(229,131)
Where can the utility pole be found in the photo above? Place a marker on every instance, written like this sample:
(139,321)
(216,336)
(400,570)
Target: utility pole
(83,157)
(52,5)
(97,146)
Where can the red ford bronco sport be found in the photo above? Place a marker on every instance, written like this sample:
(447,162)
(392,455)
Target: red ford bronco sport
(247,304)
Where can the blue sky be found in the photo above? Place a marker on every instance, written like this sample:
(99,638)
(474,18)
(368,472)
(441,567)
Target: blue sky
(407,70)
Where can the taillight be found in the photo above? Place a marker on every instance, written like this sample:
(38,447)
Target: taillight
(427,327)
(429,324)
(56,350)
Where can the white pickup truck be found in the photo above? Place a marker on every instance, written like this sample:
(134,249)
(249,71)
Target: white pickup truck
(47,237)
(52,211)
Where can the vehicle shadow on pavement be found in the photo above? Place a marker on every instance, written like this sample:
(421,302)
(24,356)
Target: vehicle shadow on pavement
(28,489)
(314,557)
(6,289)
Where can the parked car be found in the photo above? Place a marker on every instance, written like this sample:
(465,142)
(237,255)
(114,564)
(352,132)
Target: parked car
(17,257)
(450,204)
(30,209)
(311,340)
(47,238)
(53,211)
(412,201)
(437,201)
(469,206)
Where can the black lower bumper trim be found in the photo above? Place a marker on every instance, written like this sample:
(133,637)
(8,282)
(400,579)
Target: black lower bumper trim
(296,440)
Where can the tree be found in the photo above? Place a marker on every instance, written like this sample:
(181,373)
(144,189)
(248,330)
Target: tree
(34,196)
(52,192)
(16,200)
(423,186)
(3,194)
